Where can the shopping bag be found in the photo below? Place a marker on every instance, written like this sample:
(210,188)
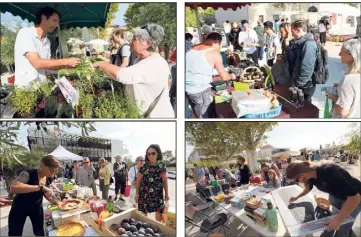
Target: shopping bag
(327,113)
(127,191)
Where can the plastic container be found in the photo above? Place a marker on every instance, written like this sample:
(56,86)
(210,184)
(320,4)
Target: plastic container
(272,219)
(270,114)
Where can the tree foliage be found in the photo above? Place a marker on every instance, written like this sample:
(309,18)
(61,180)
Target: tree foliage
(204,16)
(354,138)
(113,9)
(163,14)
(7,45)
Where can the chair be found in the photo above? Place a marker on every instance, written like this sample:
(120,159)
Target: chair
(269,76)
(195,205)
(208,227)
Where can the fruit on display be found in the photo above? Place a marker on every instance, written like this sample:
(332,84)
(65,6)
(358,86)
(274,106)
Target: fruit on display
(132,227)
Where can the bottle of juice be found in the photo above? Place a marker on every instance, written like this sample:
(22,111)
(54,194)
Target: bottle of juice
(110,204)
(272,220)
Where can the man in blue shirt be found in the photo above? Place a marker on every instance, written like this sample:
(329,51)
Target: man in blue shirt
(317,156)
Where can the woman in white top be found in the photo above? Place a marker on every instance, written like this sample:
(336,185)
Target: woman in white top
(146,81)
(347,101)
(132,177)
(322,31)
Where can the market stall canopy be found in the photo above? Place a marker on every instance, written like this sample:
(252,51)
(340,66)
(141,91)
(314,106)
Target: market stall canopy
(61,153)
(285,154)
(215,6)
(72,14)
(97,42)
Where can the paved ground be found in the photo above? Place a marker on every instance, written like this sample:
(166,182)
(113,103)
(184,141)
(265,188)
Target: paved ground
(240,230)
(4,212)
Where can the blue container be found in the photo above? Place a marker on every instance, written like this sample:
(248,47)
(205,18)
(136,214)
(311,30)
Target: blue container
(224,59)
(270,114)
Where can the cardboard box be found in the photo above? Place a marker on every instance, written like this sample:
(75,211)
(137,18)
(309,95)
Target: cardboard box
(132,213)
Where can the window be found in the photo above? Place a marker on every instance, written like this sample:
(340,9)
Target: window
(351,21)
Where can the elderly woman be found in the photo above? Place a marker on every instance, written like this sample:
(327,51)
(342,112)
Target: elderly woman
(147,81)
(104,178)
(152,184)
(347,101)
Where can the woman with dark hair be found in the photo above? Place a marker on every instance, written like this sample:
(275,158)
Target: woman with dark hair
(344,191)
(264,171)
(30,187)
(151,181)
(243,172)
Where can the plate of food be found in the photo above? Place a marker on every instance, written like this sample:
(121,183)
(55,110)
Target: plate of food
(70,204)
(71,229)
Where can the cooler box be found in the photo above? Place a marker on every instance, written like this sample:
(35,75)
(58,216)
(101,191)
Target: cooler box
(249,102)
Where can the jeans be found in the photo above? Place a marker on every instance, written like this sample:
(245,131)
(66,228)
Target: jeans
(260,51)
(173,89)
(254,57)
(323,37)
(308,92)
(120,185)
(346,229)
(201,103)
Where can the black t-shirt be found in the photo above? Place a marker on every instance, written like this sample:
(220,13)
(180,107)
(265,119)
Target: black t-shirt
(33,199)
(336,181)
(122,169)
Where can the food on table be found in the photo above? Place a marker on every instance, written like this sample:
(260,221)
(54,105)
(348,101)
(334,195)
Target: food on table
(322,203)
(255,180)
(97,206)
(70,229)
(251,74)
(70,204)
(93,199)
(253,202)
(114,227)
(103,215)
(132,227)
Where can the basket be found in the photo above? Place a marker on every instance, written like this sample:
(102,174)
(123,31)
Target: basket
(253,80)
(270,114)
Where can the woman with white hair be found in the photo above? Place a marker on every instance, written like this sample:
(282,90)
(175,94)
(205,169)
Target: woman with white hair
(104,178)
(146,81)
(347,101)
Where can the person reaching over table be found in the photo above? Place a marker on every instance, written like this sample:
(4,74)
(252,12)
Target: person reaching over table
(344,191)
(32,49)
(146,81)
(347,101)
(151,181)
(200,61)
(30,187)
(274,181)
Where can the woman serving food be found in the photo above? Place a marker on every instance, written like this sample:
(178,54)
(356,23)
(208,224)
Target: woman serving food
(30,187)
(343,189)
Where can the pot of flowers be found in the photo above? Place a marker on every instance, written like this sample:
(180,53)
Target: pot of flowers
(23,101)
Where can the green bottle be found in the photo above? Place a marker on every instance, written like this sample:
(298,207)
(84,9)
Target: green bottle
(272,220)
(110,204)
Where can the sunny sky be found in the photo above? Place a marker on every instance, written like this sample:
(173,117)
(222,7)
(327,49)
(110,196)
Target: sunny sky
(136,136)
(298,135)
(8,17)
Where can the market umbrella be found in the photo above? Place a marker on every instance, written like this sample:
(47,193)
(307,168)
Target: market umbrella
(215,6)
(61,153)
(72,14)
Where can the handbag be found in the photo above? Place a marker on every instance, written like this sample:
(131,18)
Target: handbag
(152,105)
(127,191)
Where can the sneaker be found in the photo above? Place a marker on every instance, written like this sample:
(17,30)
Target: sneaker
(122,199)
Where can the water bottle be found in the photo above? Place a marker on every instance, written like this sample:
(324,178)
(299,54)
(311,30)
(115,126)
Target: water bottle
(272,220)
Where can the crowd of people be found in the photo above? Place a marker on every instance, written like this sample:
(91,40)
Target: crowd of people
(291,50)
(147,178)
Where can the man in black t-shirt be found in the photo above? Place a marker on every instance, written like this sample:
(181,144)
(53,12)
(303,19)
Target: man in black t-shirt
(121,177)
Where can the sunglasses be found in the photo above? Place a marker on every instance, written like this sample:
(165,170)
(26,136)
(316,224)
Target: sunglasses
(145,27)
(86,162)
(141,160)
(151,154)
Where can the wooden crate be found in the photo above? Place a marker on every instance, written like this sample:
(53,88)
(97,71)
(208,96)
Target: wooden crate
(132,213)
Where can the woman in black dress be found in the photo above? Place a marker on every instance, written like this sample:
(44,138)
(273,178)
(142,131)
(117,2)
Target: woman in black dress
(30,187)
(243,173)
(151,181)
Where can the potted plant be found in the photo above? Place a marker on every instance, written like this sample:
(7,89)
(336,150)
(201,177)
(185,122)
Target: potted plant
(23,101)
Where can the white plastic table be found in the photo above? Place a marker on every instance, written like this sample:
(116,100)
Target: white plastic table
(241,215)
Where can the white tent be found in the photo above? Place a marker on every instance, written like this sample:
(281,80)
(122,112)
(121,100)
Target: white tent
(97,42)
(61,153)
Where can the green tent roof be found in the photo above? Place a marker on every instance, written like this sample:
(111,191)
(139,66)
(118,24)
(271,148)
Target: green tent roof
(72,14)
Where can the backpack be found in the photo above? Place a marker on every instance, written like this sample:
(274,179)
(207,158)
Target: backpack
(320,74)
(131,57)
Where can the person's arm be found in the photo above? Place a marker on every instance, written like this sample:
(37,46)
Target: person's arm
(348,207)
(131,175)
(125,62)
(51,64)
(218,65)
(107,174)
(137,184)
(308,187)
(165,183)
(20,184)
(344,99)
(109,69)
(52,200)
(308,60)
(115,169)
(277,183)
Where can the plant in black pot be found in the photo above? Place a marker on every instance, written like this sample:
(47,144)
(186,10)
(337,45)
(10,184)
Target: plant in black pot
(23,101)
